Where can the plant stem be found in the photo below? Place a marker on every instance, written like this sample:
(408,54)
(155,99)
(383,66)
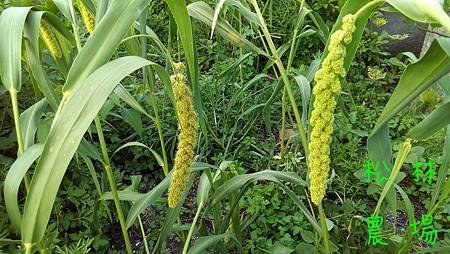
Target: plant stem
(283,127)
(74,25)
(20,144)
(324,229)
(28,249)
(144,238)
(191,230)
(112,184)
(284,76)
(158,121)
(367,6)
(294,37)
(401,157)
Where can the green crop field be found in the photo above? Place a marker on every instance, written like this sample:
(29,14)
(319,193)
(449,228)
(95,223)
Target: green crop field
(226,126)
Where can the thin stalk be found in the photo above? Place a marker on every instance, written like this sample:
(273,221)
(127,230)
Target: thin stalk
(283,127)
(241,73)
(112,184)
(191,230)
(401,157)
(367,6)
(324,230)
(20,144)
(144,237)
(158,122)
(283,73)
(149,78)
(270,12)
(294,38)
(29,249)
(75,25)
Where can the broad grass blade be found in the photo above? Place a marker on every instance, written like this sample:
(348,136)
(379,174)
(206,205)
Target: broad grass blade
(12,21)
(435,121)
(68,128)
(13,179)
(416,79)
(103,41)
(202,243)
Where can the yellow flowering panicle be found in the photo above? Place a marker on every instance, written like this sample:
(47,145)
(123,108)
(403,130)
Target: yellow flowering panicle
(49,39)
(88,19)
(187,139)
(327,86)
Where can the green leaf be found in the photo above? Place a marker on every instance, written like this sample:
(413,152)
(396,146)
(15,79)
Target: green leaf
(152,196)
(133,118)
(148,199)
(443,170)
(307,236)
(94,177)
(183,21)
(305,90)
(416,79)
(204,242)
(237,182)
(203,189)
(444,82)
(201,11)
(124,195)
(303,208)
(32,57)
(12,21)
(280,249)
(425,11)
(171,216)
(129,144)
(437,120)
(13,179)
(103,41)
(408,205)
(71,122)
(124,95)
(246,13)
(63,6)
(29,120)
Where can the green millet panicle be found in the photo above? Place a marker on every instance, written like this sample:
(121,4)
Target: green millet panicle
(327,86)
(88,19)
(187,139)
(49,39)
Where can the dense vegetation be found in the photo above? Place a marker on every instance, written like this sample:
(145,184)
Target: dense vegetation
(228,126)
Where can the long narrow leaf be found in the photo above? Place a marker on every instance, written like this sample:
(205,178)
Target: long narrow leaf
(12,22)
(31,43)
(29,121)
(437,120)
(13,179)
(203,12)
(416,78)
(68,128)
(103,41)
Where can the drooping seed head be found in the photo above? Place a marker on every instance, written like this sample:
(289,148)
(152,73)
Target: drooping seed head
(326,88)
(49,39)
(88,19)
(187,139)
